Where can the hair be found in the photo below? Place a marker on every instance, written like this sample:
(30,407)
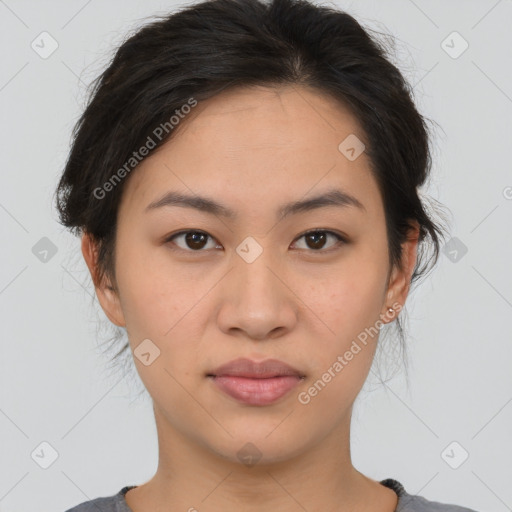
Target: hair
(215,45)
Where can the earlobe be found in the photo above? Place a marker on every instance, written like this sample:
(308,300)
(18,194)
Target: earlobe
(400,280)
(107,296)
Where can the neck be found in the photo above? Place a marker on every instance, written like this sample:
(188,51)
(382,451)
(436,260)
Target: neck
(193,477)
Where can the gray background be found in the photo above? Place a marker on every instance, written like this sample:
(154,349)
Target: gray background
(55,386)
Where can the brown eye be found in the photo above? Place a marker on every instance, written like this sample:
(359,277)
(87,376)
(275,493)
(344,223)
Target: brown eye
(317,239)
(194,240)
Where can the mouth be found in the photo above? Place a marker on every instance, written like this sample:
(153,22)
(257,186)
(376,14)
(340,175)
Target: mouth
(256,383)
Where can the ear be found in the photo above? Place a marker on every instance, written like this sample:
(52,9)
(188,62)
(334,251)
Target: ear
(107,296)
(400,279)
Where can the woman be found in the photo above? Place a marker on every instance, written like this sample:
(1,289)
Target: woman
(245,181)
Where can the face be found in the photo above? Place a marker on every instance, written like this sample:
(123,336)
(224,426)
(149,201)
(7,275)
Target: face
(199,288)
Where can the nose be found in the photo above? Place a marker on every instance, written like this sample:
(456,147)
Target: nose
(257,301)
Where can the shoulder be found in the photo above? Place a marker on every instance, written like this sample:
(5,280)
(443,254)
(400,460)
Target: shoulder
(106,504)
(414,503)
(115,503)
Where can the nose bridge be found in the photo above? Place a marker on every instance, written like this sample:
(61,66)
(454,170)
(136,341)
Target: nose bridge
(253,268)
(256,301)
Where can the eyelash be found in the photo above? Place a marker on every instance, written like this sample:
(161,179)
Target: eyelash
(341,240)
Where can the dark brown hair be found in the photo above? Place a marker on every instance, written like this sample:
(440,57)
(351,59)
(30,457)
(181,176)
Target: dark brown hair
(208,47)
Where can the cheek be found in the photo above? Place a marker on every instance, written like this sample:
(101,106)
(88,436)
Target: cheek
(343,354)
(155,296)
(163,305)
(347,304)
(349,300)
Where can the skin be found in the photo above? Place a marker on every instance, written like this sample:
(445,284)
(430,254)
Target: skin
(254,149)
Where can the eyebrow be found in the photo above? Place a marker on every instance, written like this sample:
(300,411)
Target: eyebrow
(332,197)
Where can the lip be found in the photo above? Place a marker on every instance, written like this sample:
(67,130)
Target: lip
(256,383)
(243,367)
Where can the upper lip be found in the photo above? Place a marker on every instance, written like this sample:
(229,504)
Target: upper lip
(243,367)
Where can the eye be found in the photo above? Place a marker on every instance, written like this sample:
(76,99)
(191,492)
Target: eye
(317,239)
(194,240)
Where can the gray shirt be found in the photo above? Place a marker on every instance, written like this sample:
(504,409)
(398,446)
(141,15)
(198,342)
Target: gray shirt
(406,502)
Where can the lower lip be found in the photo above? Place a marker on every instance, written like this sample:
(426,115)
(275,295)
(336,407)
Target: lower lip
(256,391)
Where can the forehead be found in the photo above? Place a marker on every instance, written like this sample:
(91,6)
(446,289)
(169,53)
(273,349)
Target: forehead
(250,143)
(278,117)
